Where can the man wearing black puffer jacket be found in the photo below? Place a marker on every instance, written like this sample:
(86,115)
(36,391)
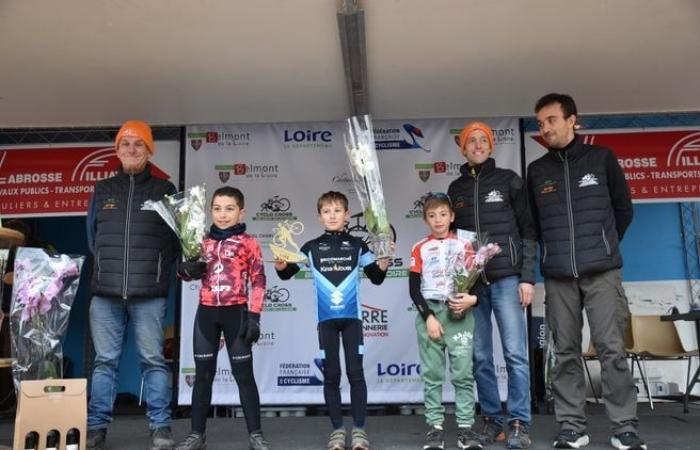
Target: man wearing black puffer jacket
(134,250)
(582,206)
(494,202)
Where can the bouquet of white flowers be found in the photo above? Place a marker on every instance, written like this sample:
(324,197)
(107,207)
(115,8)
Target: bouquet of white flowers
(364,166)
(185,213)
(43,292)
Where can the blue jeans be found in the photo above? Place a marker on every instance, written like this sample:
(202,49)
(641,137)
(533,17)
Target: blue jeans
(502,298)
(108,322)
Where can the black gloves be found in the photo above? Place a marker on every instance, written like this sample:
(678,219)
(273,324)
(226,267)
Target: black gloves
(252,332)
(191,270)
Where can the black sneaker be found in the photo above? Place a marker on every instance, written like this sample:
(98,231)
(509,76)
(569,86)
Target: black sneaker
(96,439)
(491,431)
(518,435)
(628,441)
(434,439)
(571,439)
(162,439)
(193,441)
(257,441)
(467,439)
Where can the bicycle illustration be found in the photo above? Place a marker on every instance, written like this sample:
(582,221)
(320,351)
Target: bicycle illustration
(275,204)
(276,294)
(359,229)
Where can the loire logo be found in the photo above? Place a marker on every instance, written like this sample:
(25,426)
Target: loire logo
(588,179)
(307,138)
(494,196)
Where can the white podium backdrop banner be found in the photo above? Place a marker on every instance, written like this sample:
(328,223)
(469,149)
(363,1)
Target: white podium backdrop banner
(282,169)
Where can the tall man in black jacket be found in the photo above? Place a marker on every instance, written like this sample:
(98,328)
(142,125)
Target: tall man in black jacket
(582,206)
(134,250)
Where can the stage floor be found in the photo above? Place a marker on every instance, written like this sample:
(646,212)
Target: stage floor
(666,427)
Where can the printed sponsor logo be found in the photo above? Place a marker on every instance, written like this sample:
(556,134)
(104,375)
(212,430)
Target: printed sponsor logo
(93,167)
(448,169)
(375,321)
(276,208)
(255,171)
(500,135)
(307,139)
(416,211)
(393,138)
(588,179)
(277,300)
(300,373)
(224,175)
(219,139)
(343,182)
(495,196)
(395,372)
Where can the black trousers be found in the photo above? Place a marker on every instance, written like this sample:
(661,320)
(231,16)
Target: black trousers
(209,323)
(329,333)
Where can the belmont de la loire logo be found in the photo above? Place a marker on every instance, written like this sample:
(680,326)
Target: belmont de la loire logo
(247,171)
(219,139)
(375,321)
(277,300)
(275,208)
(449,169)
(305,138)
(501,135)
(408,136)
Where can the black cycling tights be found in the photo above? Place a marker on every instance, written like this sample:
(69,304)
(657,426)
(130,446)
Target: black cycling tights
(209,322)
(329,332)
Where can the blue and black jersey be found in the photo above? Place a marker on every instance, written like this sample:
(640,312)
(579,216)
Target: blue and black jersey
(335,259)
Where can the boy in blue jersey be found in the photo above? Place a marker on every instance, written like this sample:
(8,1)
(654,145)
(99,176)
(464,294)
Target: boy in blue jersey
(335,259)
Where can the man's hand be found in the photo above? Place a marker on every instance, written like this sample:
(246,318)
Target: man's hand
(252,332)
(280,264)
(435,330)
(527,293)
(191,270)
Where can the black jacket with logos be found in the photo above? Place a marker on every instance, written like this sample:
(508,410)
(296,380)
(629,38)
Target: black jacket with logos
(582,206)
(133,248)
(494,202)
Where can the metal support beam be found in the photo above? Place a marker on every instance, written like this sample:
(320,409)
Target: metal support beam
(351,27)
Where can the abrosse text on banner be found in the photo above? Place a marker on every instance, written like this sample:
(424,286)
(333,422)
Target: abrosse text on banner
(660,166)
(53,181)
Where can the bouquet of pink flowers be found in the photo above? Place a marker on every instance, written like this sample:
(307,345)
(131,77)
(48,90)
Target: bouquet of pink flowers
(43,292)
(468,263)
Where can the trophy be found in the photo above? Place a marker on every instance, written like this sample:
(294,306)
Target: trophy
(283,246)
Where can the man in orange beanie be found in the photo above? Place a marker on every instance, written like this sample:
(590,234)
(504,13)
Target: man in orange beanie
(133,252)
(489,199)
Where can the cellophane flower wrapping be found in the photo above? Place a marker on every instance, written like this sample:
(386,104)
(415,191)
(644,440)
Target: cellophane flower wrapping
(364,166)
(185,214)
(467,263)
(43,291)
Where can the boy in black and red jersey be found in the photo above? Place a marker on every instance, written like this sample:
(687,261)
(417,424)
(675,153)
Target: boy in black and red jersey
(232,262)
